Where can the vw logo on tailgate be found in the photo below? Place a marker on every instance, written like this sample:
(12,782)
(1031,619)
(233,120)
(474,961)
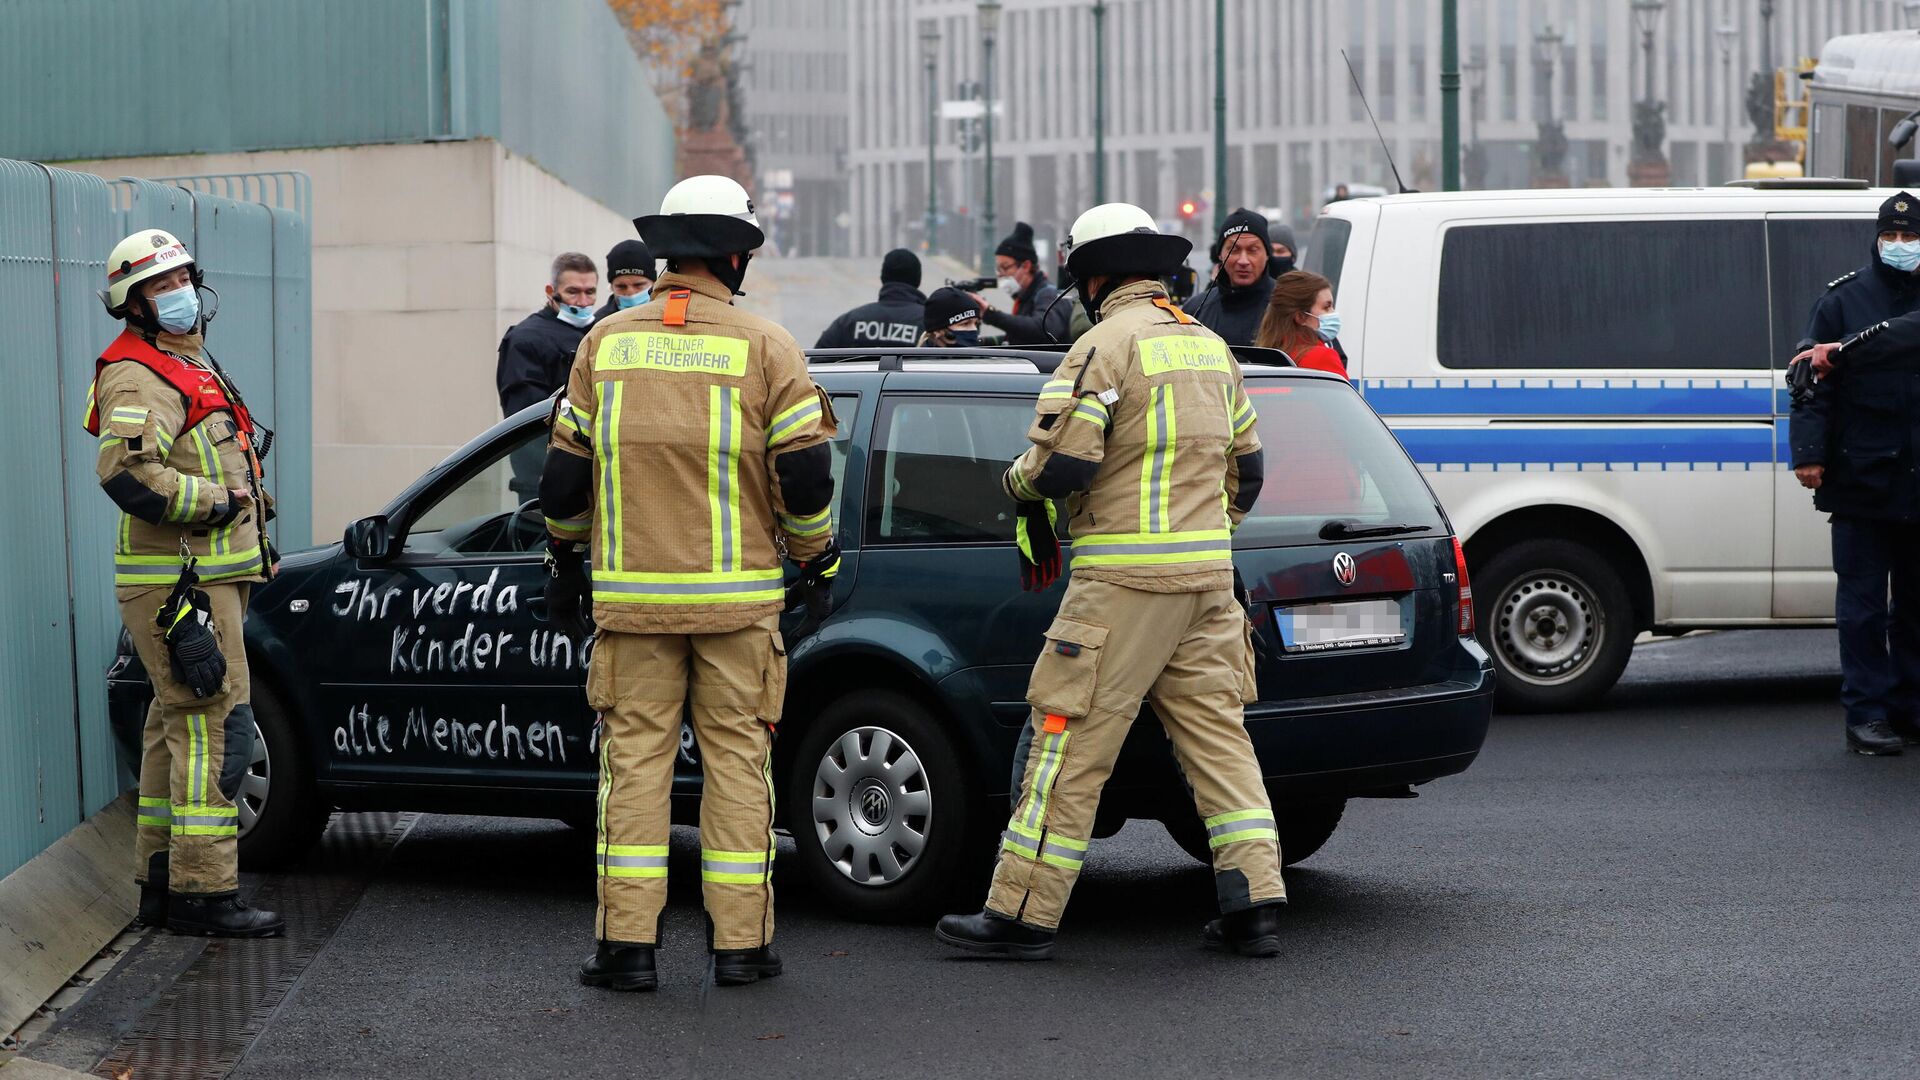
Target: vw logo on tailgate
(1344,569)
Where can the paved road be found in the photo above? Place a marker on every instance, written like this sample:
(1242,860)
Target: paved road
(1693,880)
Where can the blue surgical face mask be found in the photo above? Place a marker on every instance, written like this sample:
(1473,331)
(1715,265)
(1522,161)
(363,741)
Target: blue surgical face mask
(177,311)
(1902,255)
(966,338)
(635,300)
(573,316)
(1329,326)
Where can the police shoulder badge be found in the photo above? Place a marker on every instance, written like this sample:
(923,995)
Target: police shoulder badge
(1843,278)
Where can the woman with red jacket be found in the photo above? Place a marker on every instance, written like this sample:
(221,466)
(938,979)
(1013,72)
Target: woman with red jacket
(1300,321)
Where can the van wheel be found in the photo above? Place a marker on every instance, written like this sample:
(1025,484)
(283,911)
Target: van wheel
(1557,620)
(280,812)
(1304,827)
(879,810)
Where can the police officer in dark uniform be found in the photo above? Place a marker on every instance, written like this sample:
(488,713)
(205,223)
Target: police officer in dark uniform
(893,319)
(1885,288)
(1854,445)
(630,274)
(537,352)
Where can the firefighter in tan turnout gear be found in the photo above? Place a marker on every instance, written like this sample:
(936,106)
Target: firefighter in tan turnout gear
(180,456)
(1147,430)
(688,454)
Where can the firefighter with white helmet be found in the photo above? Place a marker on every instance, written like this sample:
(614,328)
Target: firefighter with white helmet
(1147,432)
(180,456)
(688,455)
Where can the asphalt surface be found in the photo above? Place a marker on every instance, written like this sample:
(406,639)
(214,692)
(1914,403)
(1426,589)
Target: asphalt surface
(1693,880)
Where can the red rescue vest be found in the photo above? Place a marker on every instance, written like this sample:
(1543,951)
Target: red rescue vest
(204,392)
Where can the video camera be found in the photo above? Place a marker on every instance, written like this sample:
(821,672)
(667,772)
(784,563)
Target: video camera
(974,284)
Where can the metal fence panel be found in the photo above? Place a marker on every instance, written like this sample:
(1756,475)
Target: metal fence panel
(58,758)
(39,770)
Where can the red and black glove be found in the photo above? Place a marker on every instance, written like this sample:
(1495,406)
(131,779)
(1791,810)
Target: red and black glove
(1039,547)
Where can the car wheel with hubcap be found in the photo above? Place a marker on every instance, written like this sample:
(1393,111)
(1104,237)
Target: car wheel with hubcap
(1557,620)
(877,807)
(280,813)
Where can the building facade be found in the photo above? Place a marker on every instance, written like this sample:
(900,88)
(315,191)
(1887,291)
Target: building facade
(1296,124)
(794,68)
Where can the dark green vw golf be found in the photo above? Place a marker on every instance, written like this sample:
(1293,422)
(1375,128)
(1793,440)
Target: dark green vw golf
(412,666)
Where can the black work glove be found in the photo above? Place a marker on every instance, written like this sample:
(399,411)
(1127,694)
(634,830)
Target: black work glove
(569,593)
(1239,589)
(186,622)
(1039,547)
(815,589)
(1800,381)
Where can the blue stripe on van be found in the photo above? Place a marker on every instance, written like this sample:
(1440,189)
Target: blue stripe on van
(1571,397)
(1594,448)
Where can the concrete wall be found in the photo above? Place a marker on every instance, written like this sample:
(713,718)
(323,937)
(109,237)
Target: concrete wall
(423,255)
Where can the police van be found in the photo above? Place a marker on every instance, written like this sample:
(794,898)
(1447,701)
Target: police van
(1594,383)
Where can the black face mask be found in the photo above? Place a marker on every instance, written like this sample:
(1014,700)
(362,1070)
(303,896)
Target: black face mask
(728,274)
(965,338)
(1277,266)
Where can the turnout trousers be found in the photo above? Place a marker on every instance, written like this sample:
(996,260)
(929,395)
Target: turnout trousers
(642,684)
(194,752)
(1190,654)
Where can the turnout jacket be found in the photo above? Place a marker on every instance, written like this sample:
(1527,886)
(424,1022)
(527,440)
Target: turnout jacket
(173,440)
(695,453)
(1147,431)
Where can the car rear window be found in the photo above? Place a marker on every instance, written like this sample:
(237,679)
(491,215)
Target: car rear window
(1327,249)
(1328,457)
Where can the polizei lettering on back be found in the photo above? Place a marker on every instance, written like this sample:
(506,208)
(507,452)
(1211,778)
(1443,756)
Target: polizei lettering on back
(699,354)
(892,333)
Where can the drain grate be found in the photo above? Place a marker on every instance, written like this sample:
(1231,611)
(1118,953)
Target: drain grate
(203,1024)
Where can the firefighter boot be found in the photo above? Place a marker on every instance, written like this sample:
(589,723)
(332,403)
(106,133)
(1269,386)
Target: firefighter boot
(221,916)
(738,967)
(994,934)
(153,893)
(1252,932)
(619,966)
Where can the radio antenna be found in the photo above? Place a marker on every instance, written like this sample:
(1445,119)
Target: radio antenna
(1401,184)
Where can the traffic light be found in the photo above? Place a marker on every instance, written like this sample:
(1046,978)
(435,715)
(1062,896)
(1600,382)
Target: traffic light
(1188,208)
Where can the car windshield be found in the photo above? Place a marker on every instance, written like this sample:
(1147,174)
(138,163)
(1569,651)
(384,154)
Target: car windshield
(1329,458)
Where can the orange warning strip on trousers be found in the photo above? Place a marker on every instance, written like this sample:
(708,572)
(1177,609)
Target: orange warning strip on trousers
(1054,724)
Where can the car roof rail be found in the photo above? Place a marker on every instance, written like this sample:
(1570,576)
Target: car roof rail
(895,359)
(1801,183)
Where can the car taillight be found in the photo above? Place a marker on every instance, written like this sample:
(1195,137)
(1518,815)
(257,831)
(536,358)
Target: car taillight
(1466,588)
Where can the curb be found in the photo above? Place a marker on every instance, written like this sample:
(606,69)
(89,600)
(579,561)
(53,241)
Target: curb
(60,909)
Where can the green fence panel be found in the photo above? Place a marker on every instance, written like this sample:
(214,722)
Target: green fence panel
(59,760)
(39,769)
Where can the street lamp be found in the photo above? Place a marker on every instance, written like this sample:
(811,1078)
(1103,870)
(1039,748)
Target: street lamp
(1646,16)
(929,53)
(1727,33)
(1100,101)
(1475,70)
(1546,49)
(1219,115)
(988,13)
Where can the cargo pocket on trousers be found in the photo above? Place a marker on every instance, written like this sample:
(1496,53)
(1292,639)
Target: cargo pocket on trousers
(1068,670)
(1249,659)
(773,699)
(600,678)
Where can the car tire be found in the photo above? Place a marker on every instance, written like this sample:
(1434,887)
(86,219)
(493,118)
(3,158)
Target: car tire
(287,814)
(879,808)
(1304,828)
(1557,620)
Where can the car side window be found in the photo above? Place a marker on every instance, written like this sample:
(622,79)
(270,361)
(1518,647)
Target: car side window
(935,476)
(486,514)
(1806,254)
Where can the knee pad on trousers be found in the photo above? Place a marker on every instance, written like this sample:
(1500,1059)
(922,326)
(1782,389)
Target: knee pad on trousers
(238,751)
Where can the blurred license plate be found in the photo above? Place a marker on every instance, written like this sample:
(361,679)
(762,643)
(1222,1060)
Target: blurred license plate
(1352,624)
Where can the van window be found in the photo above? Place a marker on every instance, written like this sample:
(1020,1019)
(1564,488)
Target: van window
(1604,295)
(1327,457)
(1327,249)
(1807,253)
